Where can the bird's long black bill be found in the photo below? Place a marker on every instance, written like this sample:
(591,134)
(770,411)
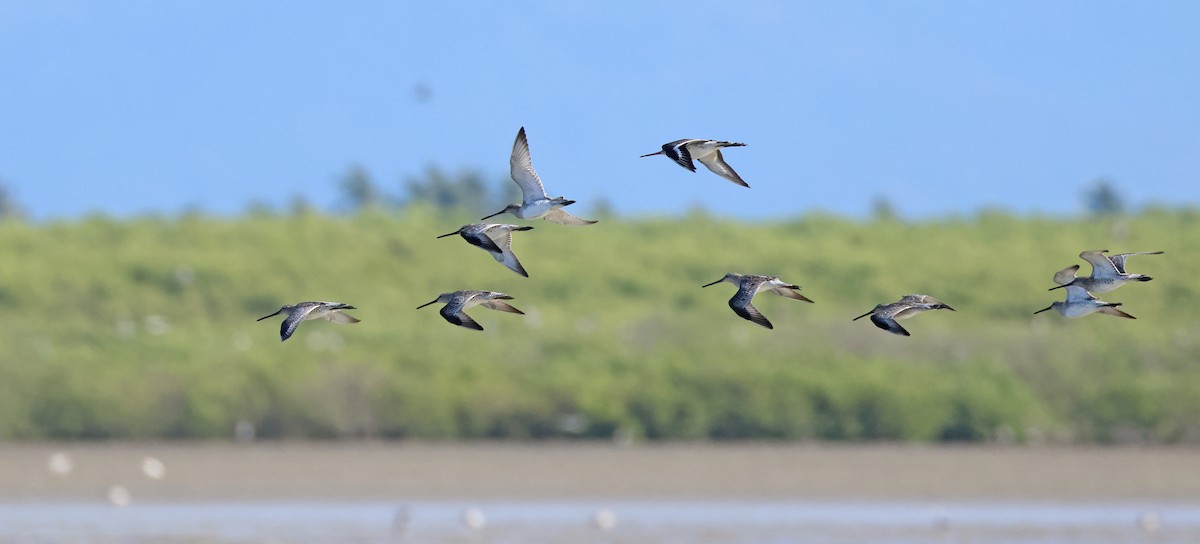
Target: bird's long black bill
(1043,309)
(493,215)
(266,316)
(453,233)
(713,283)
(653,154)
(426,304)
(1053,288)
(863,315)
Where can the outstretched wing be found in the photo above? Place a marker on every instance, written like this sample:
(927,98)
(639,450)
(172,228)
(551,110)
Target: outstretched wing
(716,163)
(521,167)
(790,291)
(339,317)
(888,324)
(454,313)
(1066,275)
(483,240)
(288,327)
(679,153)
(1119,260)
(561,217)
(509,259)
(741,305)
(502,306)
(1113,311)
(1101,264)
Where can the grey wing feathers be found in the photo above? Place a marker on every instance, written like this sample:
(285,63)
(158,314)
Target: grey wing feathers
(509,259)
(1066,275)
(339,317)
(289,325)
(1113,311)
(454,314)
(521,168)
(502,306)
(484,240)
(751,313)
(741,305)
(716,163)
(1119,260)
(1101,264)
(790,292)
(888,324)
(561,217)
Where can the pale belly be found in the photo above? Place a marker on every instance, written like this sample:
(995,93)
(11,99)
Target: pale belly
(536,209)
(1079,310)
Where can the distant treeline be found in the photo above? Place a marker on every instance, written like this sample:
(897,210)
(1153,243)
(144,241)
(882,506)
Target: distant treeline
(145,328)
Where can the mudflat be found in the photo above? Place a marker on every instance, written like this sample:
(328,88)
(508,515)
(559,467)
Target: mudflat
(349,471)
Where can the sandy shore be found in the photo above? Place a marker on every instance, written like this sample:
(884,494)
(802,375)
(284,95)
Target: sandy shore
(373,471)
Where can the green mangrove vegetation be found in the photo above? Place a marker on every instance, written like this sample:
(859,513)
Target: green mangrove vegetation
(145,328)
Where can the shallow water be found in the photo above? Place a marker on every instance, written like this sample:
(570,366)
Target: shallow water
(643,521)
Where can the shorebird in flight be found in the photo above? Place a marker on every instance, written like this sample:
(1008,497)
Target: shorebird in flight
(496,239)
(1108,272)
(885,316)
(304,311)
(535,203)
(1080,303)
(752,284)
(458,301)
(708,152)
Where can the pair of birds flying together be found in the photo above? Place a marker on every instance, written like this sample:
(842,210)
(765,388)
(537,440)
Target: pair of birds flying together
(454,310)
(496,238)
(1108,273)
(884,316)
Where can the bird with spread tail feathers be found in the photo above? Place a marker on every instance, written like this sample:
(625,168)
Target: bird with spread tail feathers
(458,301)
(708,152)
(304,311)
(752,284)
(1108,272)
(535,203)
(496,239)
(885,316)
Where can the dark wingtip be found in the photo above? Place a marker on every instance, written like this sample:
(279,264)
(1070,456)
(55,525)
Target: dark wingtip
(1145,278)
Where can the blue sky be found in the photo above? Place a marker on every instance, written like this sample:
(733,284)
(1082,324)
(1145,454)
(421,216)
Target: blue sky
(940,107)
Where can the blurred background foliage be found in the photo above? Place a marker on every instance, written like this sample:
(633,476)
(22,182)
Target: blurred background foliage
(144,327)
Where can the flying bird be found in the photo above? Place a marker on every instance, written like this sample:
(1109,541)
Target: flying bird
(750,285)
(458,301)
(535,203)
(1080,303)
(885,316)
(1108,272)
(496,239)
(708,152)
(304,311)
